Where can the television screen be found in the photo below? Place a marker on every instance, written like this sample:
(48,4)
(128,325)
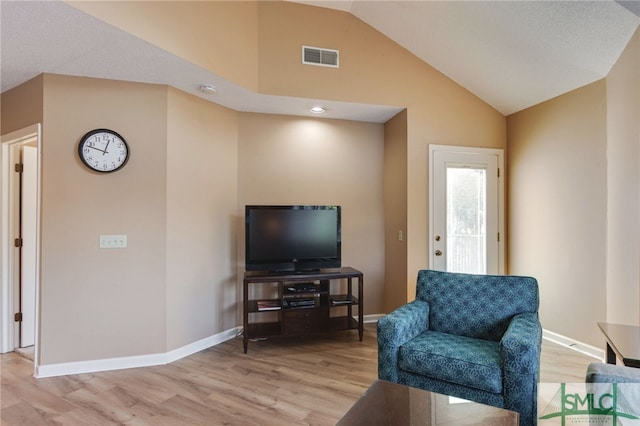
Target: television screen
(292,238)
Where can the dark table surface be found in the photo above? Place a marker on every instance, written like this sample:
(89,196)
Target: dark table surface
(386,403)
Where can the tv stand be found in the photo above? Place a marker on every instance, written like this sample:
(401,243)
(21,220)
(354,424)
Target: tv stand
(299,303)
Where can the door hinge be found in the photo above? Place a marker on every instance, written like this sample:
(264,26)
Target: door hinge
(19,168)
(498,171)
(17,242)
(498,237)
(18,317)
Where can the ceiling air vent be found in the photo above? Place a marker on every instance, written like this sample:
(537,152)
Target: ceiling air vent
(319,56)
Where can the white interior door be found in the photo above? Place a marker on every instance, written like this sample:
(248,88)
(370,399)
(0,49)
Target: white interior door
(466,210)
(28,255)
(10,266)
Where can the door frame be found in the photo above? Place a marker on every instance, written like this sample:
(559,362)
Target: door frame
(8,265)
(499,152)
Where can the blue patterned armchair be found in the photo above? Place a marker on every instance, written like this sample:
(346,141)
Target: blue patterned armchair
(476,337)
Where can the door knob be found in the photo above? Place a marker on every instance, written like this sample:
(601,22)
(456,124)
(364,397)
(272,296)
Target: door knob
(438,253)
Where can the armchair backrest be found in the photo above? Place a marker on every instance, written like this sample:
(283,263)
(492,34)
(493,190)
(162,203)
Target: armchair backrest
(479,306)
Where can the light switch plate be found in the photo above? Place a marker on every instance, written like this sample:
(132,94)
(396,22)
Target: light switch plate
(113,241)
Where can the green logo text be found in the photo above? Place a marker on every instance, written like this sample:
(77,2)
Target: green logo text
(612,404)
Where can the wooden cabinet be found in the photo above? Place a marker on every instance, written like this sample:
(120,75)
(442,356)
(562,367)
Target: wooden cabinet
(294,304)
(300,321)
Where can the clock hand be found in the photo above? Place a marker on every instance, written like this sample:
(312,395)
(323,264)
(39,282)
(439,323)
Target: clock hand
(105,147)
(97,149)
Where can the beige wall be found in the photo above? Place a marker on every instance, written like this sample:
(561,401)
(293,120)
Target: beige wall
(373,69)
(202,170)
(22,106)
(623,186)
(149,308)
(367,57)
(461,121)
(557,207)
(102,303)
(175,200)
(293,160)
(220,36)
(570,163)
(574,188)
(395,212)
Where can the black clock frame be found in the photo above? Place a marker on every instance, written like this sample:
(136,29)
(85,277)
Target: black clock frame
(87,135)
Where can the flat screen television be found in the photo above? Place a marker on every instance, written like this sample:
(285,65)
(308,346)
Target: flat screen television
(292,238)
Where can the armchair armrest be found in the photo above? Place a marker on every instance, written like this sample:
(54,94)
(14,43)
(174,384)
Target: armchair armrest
(520,355)
(520,345)
(394,330)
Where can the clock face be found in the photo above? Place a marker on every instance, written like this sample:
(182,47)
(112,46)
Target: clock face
(103,150)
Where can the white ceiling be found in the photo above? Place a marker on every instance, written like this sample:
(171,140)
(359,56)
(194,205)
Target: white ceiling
(511,54)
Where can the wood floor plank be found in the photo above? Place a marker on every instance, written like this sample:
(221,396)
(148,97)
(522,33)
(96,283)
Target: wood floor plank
(111,406)
(25,414)
(308,381)
(41,400)
(143,414)
(245,408)
(198,411)
(143,385)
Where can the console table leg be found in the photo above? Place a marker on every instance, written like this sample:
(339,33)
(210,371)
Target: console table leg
(245,342)
(360,307)
(611,355)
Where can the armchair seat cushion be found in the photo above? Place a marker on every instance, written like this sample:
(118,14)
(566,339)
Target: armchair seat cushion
(462,360)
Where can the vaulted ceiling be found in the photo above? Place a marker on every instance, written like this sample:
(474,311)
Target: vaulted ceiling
(510,54)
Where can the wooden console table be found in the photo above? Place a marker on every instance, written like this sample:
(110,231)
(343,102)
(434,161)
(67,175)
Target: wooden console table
(300,303)
(622,341)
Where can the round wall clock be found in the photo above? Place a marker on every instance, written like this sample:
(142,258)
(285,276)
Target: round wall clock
(103,150)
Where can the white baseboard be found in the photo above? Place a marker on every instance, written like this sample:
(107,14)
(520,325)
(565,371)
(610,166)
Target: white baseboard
(371,318)
(202,344)
(93,366)
(573,344)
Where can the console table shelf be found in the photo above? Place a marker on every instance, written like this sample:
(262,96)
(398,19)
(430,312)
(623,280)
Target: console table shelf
(302,303)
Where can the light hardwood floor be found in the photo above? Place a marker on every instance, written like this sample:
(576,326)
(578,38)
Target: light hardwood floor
(278,382)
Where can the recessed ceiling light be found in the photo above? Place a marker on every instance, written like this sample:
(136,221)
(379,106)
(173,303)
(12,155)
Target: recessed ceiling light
(208,89)
(317,110)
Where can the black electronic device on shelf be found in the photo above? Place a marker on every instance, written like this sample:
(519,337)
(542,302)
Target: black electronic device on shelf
(300,303)
(301,288)
(302,295)
(343,299)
